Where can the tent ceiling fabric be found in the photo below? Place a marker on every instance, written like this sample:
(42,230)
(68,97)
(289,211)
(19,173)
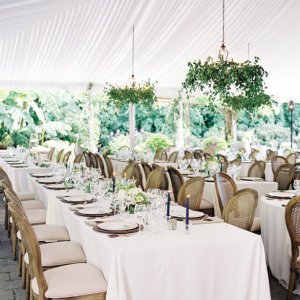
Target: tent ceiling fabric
(55,42)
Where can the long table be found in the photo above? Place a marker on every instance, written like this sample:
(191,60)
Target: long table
(215,261)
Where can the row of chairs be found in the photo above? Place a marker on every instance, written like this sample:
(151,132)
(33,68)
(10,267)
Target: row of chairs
(51,266)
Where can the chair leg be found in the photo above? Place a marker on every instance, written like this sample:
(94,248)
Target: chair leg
(14,241)
(20,258)
(291,284)
(28,287)
(6,216)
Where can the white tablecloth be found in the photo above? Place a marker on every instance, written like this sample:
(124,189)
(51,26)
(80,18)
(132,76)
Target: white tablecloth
(215,261)
(18,176)
(276,239)
(246,165)
(262,187)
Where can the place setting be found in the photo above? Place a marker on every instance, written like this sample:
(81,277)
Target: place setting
(255,179)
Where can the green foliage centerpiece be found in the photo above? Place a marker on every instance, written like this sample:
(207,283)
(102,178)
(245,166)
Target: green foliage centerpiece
(143,93)
(236,85)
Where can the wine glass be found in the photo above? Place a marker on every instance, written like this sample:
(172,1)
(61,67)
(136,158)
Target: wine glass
(297,186)
(140,213)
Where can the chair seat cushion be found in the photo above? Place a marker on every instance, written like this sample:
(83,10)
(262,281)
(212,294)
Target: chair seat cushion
(36,216)
(59,254)
(205,204)
(49,233)
(32,204)
(71,281)
(256,224)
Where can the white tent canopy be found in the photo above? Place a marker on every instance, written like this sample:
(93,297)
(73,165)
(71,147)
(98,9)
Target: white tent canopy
(63,43)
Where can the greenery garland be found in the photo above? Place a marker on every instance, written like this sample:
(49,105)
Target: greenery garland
(237,85)
(136,93)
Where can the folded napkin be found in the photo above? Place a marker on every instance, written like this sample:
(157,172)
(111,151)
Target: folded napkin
(98,220)
(209,220)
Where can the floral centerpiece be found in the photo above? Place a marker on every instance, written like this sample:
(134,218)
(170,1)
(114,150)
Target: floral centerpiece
(211,166)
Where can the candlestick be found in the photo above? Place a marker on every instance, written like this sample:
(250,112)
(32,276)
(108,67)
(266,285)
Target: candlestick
(187,217)
(113,182)
(168,204)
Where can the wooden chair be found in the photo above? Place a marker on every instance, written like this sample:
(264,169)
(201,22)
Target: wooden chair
(158,154)
(101,163)
(187,155)
(207,156)
(51,153)
(59,155)
(253,153)
(198,154)
(128,170)
(176,180)
(224,162)
(87,159)
(133,171)
(94,160)
(277,161)
(235,162)
(146,168)
(291,158)
(257,169)
(296,175)
(164,182)
(284,176)
(270,154)
(240,209)
(66,157)
(109,166)
(225,188)
(155,178)
(194,189)
(164,156)
(173,157)
(78,158)
(74,281)
(292,220)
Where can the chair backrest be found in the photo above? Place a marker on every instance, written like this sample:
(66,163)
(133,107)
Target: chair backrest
(173,157)
(87,159)
(277,161)
(101,163)
(225,188)
(240,209)
(109,166)
(32,247)
(78,158)
(155,178)
(3,175)
(292,220)
(147,169)
(59,155)
(257,169)
(270,154)
(224,162)
(51,153)
(128,170)
(164,185)
(198,154)
(187,154)
(291,158)
(93,160)
(66,157)
(194,189)
(283,176)
(176,180)
(235,162)
(158,154)
(253,153)
(164,156)
(207,156)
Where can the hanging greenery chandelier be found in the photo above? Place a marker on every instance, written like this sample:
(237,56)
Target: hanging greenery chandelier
(142,93)
(236,85)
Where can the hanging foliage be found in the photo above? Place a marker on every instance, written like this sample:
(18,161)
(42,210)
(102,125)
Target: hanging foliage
(236,85)
(136,93)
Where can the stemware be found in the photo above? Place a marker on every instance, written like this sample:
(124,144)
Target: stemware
(297,186)
(140,213)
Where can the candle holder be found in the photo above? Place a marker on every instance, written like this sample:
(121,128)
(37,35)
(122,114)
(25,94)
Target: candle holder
(172,224)
(187,228)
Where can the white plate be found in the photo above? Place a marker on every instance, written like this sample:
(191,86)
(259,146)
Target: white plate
(49,180)
(41,175)
(281,194)
(56,186)
(181,213)
(252,178)
(118,225)
(94,210)
(78,198)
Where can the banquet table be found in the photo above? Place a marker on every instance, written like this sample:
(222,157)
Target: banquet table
(18,176)
(262,187)
(276,239)
(246,165)
(205,263)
